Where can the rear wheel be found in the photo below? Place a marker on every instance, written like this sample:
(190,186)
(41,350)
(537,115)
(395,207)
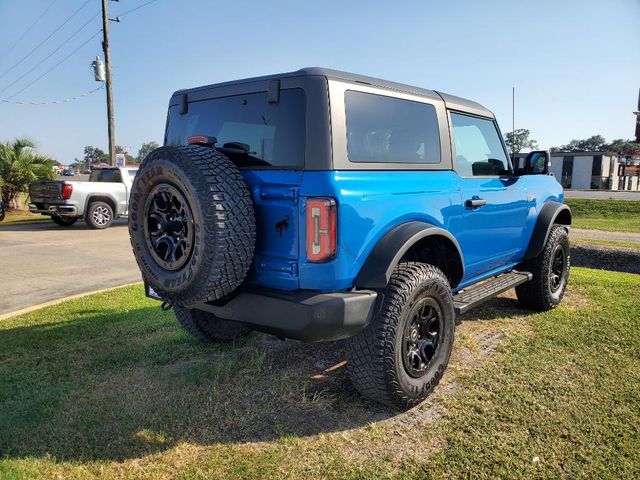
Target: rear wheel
(399,358)
(99,215)
(64,221)
(206,326)
(550,272)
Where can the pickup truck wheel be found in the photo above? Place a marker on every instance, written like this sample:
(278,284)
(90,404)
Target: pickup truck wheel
(64,221)
(99,215)
(399,358)
(192,224)
(550,272)
(206,326)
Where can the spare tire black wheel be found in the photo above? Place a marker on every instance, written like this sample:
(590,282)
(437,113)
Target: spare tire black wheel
(192,224)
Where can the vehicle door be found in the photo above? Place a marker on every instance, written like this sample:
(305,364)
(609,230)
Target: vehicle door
(495,205)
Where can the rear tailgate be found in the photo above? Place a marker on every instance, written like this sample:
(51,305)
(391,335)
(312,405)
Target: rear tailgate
(276,205)
(46,191)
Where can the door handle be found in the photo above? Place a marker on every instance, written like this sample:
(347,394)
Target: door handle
(475,202)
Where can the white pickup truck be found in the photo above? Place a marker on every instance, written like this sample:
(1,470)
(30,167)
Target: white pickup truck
(104,197)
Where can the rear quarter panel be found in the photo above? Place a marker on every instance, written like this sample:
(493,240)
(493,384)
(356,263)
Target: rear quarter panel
(370,204)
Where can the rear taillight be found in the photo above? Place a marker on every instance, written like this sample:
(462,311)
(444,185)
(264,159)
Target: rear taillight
(67,189)
(321,229)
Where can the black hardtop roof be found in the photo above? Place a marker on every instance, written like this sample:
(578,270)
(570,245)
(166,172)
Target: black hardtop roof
(454,102)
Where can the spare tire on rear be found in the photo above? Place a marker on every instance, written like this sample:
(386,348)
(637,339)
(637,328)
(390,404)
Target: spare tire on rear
(191,223)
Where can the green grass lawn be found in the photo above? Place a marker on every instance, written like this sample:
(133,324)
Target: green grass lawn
(609,215)
(23,217)
(109,386)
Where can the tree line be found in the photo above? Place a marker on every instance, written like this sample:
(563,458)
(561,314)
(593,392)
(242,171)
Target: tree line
(94,155)
(21,164)
(519,140)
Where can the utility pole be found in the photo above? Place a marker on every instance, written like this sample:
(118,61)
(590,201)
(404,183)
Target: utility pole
(107,64)
(513,118)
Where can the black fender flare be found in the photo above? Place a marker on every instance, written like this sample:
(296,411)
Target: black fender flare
(551,213)
(376,270)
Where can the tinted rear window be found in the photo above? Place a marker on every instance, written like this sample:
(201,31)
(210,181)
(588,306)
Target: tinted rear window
(106,175)
(390,130)
(273,134)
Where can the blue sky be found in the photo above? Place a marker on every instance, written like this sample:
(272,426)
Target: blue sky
(575,63)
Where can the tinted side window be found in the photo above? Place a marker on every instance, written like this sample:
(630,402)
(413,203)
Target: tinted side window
(384,129)
(272,134)
(479,150)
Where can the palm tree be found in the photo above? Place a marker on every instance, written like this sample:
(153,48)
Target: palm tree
(21,164)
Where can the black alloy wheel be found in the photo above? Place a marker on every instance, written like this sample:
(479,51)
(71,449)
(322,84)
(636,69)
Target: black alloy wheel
(421,337)
(558,269)
(169,228)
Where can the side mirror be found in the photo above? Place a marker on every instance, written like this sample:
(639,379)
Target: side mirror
(537,163)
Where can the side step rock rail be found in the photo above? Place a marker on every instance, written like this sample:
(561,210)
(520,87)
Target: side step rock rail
(475,295)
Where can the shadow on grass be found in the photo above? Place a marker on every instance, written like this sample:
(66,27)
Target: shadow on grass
(118,386)
(112,387)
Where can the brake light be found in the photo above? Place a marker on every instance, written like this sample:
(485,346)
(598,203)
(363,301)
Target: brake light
(321,229)
(67,189)
(202,140)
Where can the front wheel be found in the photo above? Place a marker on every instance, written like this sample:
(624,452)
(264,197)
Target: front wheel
(64,221)
(99,215)
(550,272)
(399,358)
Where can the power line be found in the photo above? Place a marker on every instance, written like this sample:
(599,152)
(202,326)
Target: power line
(43,41)
(52,102)
(54,66)
(137,8)
(10,49)
(50,53)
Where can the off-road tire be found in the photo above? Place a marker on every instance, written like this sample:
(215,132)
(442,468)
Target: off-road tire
(374,356)
(64,221)
(209,328)
(107,217)
(222,224)
(538,294)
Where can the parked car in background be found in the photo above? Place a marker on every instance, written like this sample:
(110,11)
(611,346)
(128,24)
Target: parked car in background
(321,205)
(104,197)
(68,172)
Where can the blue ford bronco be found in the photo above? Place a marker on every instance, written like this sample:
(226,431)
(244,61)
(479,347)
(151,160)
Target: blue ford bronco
(320,205)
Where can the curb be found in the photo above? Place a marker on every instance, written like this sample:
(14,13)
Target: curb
(602,258)
(22,311)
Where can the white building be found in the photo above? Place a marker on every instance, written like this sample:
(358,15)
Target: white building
(593,170)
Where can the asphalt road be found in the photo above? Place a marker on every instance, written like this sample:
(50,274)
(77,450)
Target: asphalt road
(602,194)
(43,262)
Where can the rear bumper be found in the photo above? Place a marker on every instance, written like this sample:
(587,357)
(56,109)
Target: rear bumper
(54,210)
(305,316)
